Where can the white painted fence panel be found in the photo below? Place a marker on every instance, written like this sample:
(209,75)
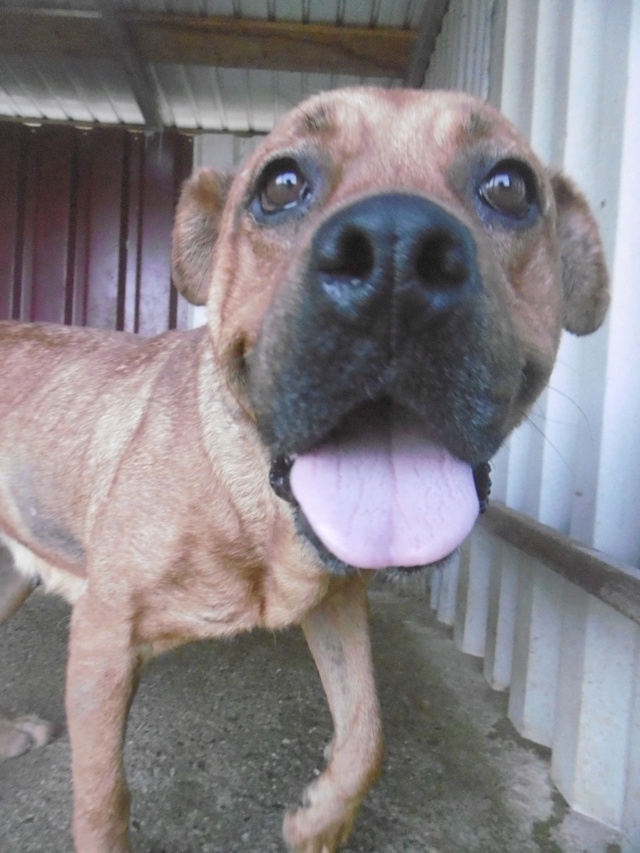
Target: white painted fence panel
(594,707)
(501,617)
(568,75)
(536,650)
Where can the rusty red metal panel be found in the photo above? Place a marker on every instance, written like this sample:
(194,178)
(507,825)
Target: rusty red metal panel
(52,215)
(11,214)
(23,283)
(76,295)
(135,227)
(85,226)
(107,186)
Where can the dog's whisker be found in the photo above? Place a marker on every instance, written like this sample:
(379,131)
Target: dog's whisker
(577,406)
(548,442)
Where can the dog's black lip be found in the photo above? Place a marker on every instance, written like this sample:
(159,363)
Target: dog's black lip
(482,480)
(279,479)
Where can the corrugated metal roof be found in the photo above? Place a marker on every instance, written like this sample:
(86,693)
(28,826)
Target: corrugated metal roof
(391,13)
(40,86)
(66,90)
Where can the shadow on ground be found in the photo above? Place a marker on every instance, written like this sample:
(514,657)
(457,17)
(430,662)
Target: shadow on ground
(223,736)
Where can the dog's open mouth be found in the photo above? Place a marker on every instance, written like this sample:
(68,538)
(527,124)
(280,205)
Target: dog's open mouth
(377,493)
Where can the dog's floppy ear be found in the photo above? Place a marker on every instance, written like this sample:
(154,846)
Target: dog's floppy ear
(195,231)
(585,281)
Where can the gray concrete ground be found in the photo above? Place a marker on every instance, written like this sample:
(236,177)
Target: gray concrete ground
(224,735)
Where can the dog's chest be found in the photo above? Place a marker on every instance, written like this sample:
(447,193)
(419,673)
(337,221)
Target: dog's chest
(219,585)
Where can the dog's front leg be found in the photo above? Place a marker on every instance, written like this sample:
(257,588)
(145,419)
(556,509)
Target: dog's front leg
(101,680)
(338,635)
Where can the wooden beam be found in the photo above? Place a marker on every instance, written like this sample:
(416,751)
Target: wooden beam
(33,32)
(225,42)
(615,583)
(285,46)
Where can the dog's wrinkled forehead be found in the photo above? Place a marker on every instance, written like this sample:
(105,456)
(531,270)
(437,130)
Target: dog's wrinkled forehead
(394,138)
(362,119)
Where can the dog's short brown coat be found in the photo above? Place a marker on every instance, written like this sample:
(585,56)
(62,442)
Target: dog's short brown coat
(134,479)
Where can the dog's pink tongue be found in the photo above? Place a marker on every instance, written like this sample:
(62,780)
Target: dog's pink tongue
(381,495)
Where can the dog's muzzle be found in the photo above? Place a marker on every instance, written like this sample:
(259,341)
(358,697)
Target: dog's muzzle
(380,413)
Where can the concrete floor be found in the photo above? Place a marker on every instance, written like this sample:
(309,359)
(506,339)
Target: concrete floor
(223,736)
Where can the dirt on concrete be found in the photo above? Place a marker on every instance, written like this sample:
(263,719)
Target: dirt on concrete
(223,736)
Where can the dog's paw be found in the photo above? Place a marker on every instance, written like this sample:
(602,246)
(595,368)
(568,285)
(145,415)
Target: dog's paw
(21,734)
(323,823)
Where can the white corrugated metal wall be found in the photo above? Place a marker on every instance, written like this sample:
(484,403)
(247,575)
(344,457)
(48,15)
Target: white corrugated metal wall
(566,79)
(579,101)
(567,73)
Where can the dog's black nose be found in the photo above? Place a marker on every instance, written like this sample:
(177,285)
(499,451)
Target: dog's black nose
(397,253)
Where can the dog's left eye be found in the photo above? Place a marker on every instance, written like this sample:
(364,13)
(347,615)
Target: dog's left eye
(509,189)
(282,186)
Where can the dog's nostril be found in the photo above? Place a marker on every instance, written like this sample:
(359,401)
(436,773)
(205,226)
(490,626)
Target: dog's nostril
(441,261)
(351,257)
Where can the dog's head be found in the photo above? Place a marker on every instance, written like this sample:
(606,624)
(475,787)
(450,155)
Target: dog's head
(387,279)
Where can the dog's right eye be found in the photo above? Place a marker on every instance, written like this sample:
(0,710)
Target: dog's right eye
(282,186)
(510,191)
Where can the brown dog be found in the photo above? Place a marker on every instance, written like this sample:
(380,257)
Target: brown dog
(386,279)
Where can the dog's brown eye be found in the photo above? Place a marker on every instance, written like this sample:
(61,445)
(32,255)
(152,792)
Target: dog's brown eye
(283,187)
(508,190)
